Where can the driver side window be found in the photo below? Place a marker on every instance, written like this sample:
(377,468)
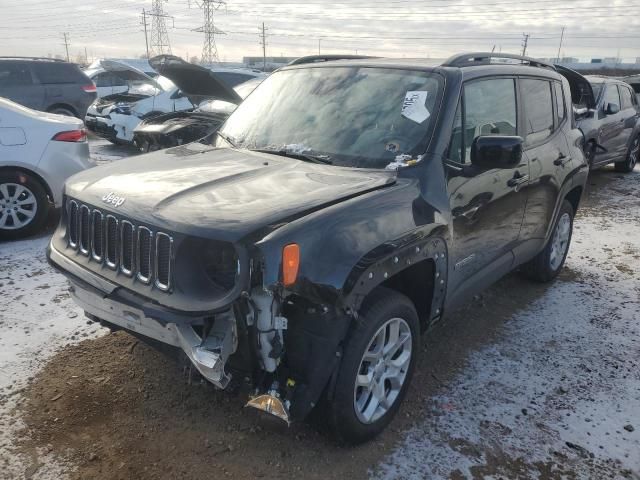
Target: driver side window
(488,108)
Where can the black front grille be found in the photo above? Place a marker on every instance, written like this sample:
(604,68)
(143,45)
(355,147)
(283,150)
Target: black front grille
(145,237)
(128,245)
(97,235)
(119,244)
(74,234)
(84,224)
(163,260)
(111,238)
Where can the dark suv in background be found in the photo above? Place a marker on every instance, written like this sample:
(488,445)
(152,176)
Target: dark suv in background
(307,248)
(46,84)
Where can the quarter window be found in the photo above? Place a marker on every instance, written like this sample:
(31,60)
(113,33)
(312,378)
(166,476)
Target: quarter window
(489,109)
(539,109)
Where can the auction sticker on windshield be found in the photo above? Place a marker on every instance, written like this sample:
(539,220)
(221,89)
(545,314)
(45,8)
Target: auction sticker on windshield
(413,106)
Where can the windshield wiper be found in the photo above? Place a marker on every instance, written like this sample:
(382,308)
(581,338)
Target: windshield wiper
(227,139)
(325,159)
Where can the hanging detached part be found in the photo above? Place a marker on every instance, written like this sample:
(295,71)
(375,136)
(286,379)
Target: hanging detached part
(271,403)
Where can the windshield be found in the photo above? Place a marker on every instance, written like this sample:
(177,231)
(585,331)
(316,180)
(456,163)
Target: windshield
(351,116)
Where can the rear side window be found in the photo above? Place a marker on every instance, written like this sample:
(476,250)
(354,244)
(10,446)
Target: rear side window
(539,108)
(58,72)
(14,74)
(611,96)
(625,97)
(489,109)
(560,105)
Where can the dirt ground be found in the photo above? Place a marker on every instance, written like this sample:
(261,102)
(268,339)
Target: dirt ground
(527,381)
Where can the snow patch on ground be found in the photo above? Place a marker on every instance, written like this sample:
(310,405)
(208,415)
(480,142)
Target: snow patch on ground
(555,393)
(37,317)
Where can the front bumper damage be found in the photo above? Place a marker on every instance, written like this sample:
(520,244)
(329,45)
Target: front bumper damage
(209,355)
(286,349)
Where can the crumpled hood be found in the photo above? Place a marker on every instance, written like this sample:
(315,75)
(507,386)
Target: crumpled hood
(224,194)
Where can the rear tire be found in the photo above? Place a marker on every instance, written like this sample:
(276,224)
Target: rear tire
(547,264)
(24,205)
(62,111)
(376,369)
(632,157)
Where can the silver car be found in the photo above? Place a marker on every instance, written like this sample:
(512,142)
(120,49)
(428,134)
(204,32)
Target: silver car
(38,152)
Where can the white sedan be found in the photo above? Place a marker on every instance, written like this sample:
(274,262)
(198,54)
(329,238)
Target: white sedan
(38,152)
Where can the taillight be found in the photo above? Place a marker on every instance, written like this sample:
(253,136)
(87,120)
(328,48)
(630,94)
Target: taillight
(71,136)
(91,88)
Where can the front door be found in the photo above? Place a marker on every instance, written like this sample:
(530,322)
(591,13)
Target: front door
(487,205)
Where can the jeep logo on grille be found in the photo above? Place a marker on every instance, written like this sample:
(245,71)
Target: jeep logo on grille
(113,199)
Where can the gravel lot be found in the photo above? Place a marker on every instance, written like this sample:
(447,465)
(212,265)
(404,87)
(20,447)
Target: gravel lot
(527,381)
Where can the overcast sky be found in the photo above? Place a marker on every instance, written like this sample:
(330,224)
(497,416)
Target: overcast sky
(410,28)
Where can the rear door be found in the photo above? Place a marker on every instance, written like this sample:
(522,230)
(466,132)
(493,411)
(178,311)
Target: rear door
(611,125)
(17,83)
(629,113)
(546,113)
(487,204)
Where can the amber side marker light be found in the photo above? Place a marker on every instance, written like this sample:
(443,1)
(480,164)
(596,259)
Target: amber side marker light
(290,263)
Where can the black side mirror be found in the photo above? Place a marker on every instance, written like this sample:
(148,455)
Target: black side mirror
(496,151)
(612,108)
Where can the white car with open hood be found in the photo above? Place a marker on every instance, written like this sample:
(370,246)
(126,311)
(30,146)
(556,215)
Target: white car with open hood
(116,116)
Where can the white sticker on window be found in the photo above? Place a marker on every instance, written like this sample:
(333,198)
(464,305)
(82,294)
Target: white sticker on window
(414,108)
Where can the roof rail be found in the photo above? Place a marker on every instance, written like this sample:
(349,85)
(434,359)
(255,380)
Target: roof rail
(326,58)
(484,58)
(12,57)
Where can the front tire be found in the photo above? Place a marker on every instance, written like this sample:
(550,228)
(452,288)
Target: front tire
(24,206)
(547,264)
(376,369)
(632,158)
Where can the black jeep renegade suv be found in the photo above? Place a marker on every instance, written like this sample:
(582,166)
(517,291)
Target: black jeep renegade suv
(340,211)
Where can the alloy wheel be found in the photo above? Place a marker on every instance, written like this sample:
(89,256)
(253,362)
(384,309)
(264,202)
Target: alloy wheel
(560,242)
(18,206)
(383,370)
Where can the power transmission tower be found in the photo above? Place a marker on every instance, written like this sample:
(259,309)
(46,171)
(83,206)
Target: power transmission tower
(66,43)
(525,42)
(145,24)
(209,49)
(263,42)
(159,36)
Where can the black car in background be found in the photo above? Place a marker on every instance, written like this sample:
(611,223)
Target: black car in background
(608,113)
(46,84)
(341,210)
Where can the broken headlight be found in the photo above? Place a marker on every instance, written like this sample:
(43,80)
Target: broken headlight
(207,266)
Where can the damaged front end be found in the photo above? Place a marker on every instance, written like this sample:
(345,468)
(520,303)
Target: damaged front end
(175,129)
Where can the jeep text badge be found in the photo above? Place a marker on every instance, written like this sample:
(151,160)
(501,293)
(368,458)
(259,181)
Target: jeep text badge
(113,199)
